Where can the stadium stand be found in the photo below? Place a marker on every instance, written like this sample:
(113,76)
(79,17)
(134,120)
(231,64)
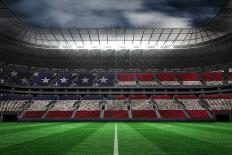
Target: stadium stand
(39,106)
(116,107)
(167,79)
(141,107)
(146,79)
(64,107)
(189,79)
(21,76)
(126,79)
(213,78)
(13,103)
(167,107)
(64,79)
(219,102)
(192,105)
(230,77)
(89,107)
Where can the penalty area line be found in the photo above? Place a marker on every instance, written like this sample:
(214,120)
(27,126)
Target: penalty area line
(116,140)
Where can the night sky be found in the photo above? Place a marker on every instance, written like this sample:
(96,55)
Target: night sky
(116,13)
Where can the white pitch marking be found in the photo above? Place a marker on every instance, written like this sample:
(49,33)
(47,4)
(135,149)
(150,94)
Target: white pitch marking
(116,140)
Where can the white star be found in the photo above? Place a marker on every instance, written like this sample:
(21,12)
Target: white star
(36,74)
(24,80)
(63,80)
(85,80)
(1,81)
(1,70)
(45,80)
(103,80)
(14,73)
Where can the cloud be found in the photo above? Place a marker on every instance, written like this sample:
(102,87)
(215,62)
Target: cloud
(116,13)
(157,19)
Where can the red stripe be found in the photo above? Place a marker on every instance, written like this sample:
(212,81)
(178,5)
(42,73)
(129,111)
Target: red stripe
(165,77)
(186,97)
(213,76)
(162,97)
(145,77)
(219,96)
(126,77)
(138,97)
(188,76)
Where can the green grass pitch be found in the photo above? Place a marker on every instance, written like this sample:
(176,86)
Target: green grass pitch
(140,138)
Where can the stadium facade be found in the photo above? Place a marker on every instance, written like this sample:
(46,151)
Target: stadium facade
(116,73)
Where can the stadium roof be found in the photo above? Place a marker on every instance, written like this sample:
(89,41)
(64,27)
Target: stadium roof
(64,43)
(112,38)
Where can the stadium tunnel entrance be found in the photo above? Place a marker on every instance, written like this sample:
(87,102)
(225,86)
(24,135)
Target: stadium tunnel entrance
(226,117)
(9,117)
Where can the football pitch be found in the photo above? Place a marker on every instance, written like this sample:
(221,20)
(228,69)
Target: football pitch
(140,138)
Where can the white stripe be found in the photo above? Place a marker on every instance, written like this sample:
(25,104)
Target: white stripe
(116,140)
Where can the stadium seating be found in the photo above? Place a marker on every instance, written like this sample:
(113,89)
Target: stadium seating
(126,79)
(213,78)
(62,109)
(105,80)
(219,102)
(167,79)
(64,79)
(189,79)
(13,103)
(230,77)
(85,80)
(38,106)
(89,107)
(146,79)
(167,107)
(141,107)
(192,105)
(116,107)
(21,76)
(42,78)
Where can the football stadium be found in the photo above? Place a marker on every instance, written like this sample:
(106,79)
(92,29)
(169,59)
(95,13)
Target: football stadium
(143,78)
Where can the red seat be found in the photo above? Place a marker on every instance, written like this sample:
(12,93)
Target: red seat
(165,77)
(172,114)
(213,76)
(198,113)
(33,114)
(188,76)
(59,114)
(143,114)
(126,77)
(116,114)
(87,114)
(145,77)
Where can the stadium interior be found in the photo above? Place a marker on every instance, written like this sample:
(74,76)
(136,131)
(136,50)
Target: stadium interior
(116,75)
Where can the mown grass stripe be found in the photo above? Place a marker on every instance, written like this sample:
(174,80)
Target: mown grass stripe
(27,136)
(132,142)
(27,128)
(53,143)
(207,128)
(214,141)
(100,142)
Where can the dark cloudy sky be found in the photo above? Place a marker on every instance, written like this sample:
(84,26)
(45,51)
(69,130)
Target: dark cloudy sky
(116,13)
